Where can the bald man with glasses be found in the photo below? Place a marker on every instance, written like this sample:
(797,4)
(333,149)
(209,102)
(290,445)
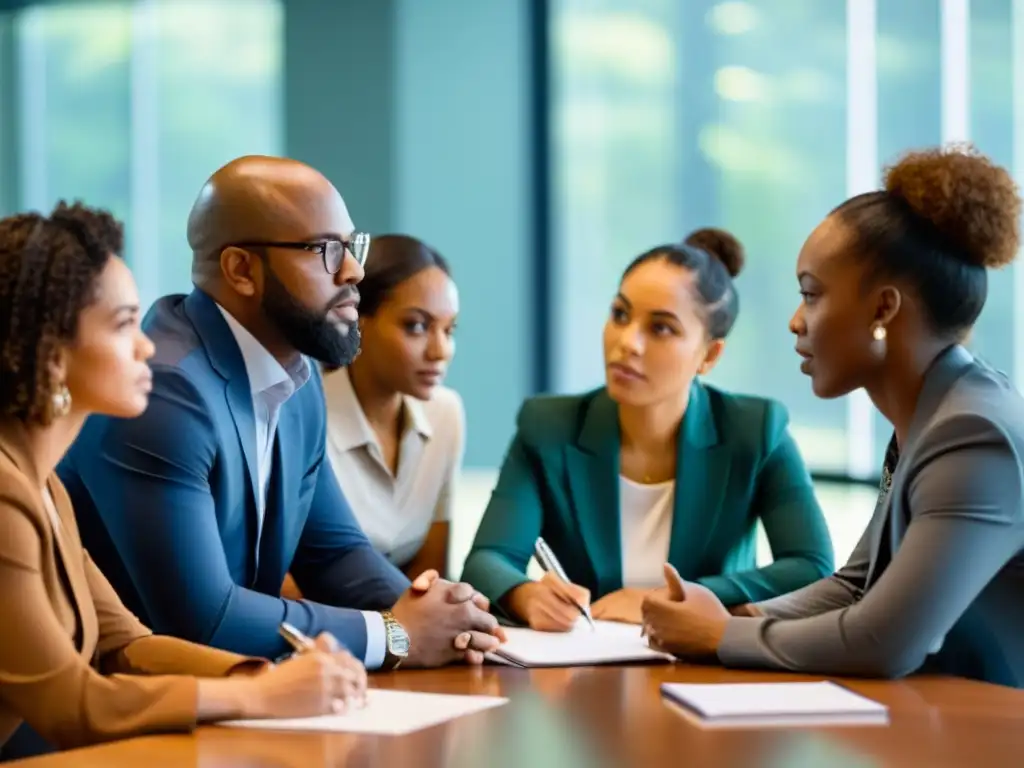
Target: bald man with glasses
(196,510)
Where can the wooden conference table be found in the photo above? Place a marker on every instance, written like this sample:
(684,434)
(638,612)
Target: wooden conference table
(610,716)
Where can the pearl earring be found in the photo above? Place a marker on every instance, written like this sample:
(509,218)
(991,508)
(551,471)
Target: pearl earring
(61,401)
(878,332)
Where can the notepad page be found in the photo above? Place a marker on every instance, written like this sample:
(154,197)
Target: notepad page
(608,643)
(386,712)
(745,700)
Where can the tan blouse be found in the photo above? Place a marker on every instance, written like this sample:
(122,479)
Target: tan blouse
(74,662)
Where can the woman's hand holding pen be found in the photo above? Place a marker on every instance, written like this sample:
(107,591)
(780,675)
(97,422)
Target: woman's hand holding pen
(320,678)
(354,678)
(549,605)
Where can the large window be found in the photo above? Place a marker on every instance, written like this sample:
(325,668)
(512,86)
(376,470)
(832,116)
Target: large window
(73,104)
(131,106)
(759,116)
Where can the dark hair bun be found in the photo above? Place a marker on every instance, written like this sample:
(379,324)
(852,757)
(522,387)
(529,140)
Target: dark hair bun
(720,244)
(973,203)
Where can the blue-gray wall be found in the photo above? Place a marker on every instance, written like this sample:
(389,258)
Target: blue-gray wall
(420,112)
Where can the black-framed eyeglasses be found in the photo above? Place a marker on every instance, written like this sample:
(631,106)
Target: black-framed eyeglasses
(331,250)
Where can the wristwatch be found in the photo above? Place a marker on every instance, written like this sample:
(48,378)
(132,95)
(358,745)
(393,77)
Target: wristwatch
(396,642)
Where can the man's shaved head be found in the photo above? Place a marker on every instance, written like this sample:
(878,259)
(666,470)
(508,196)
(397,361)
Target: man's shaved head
(259,232)
(262,199)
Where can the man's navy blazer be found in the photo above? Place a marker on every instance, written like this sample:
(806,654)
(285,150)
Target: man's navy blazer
(166,502)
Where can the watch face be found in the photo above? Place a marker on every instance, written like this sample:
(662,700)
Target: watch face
(398,640)
(400,645)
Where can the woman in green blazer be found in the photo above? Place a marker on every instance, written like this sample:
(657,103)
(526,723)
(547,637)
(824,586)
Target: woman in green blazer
(654,467)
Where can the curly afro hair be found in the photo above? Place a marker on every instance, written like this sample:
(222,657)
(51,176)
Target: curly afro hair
(944,217)
(48,272)
(971,202)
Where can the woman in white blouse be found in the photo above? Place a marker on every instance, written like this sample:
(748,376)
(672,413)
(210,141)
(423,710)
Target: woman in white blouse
(394,435)
(655,466)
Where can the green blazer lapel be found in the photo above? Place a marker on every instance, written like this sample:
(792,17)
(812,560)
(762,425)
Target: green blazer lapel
(593,469)
(702,474)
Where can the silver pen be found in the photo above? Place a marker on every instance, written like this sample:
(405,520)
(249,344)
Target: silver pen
(302,643)
(296,639)
(550,564)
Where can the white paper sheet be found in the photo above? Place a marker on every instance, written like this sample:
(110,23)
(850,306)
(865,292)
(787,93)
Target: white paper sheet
(774,704)
(386,712)
(609,643)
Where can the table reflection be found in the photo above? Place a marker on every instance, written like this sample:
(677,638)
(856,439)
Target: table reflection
(611,716)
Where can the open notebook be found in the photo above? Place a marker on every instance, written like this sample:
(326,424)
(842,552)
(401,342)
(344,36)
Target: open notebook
(761,705)
(608,643)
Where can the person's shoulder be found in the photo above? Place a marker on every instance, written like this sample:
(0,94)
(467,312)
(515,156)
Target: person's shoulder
(983,387)
(747,421)
(21,508)
(180,363)
(981,407)
(18,490)
(973,433)
(554,419)
(15,485)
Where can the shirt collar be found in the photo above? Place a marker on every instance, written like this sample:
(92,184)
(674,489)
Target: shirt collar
(263,369)
(349,426)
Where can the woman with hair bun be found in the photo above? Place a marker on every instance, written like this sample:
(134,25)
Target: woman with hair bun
(891,283)
(655,466)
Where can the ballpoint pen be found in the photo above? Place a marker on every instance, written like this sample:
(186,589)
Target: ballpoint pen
(550,564)
(296,639)
(302,643)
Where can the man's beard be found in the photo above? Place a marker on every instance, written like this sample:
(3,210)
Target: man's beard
(308,331)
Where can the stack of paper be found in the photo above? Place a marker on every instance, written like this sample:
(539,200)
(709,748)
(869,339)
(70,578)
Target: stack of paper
(386,712)
(608,643)
(759,705)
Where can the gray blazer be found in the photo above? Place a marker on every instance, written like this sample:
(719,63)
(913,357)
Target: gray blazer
(937,579)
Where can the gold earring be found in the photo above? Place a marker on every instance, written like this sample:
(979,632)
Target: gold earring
(61,401)
(878,332)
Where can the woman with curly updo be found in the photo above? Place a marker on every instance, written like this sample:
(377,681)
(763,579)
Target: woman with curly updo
(891,284)
(75,665)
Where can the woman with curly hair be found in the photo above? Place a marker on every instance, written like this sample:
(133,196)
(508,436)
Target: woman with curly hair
(75,665)
(891,284)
